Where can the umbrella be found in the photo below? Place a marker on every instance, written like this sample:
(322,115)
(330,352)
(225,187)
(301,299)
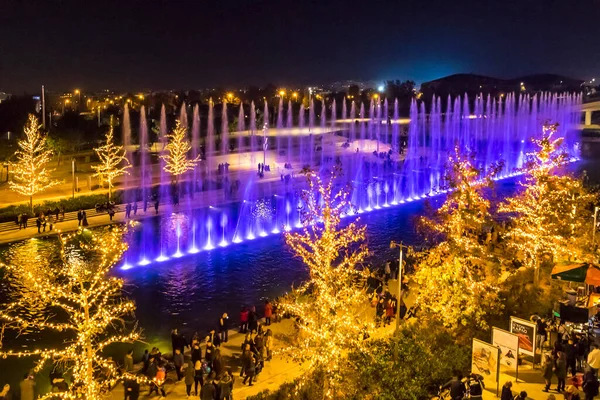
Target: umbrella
(588,273)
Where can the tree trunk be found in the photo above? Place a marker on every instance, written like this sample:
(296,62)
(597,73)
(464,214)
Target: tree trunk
(31,202)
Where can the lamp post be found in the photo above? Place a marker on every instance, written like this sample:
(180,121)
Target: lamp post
(393,244)
(73,171)
(265,144)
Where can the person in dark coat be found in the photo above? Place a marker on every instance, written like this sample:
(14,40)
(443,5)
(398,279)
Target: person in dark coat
(217,363)
(252,320)
(79,217)
(571,355)
(208,391)
(561,370)
(84,222)
(548,371)
(25,219)
(506,391)
(223,328)
(249,368)
(225,386)
(189,378)
(178,362)
(590,385)
(456,386)
(196,353)
(145,361)
(132,389)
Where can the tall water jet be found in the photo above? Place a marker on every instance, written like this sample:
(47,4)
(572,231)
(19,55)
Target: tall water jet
(164,177)
(183,116)
(252,134)
(196,174)
(289,125)
(210,143)
(224,130)
(241,127)
(126,132)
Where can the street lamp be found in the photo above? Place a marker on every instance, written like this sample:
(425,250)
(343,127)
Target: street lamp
(393,244)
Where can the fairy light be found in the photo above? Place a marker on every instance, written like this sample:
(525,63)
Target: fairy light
(329,304)
(552,212)
(30,172)
(113,160)
(454,284)
(92,311)
(263,210)
(176,160)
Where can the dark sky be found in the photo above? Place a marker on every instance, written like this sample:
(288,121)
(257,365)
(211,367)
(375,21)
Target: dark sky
(133,45)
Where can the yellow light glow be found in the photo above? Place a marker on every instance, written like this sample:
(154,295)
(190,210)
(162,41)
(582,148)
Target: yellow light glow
(282,93)
(230,96)
(295,94)
(77,91)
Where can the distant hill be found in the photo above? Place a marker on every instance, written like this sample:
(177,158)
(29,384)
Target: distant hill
(473,84)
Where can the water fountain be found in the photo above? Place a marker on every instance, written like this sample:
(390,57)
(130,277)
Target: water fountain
(389,160)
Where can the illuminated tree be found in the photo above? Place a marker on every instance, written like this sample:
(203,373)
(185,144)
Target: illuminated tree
(30,173)
(457,276)
(329,304)
(113,161)
(552,214)
(78,299)
(177,161)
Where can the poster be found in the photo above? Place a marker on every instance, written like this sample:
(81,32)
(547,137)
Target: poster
(525,330)
(509,349)
(484,361)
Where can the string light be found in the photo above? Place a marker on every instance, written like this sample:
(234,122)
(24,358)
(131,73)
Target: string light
(455,285)
(80,300)
(30,172)
(552,213)
(328,306)
(111,156)
(176,161)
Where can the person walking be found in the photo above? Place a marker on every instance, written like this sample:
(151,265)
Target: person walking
(548,371)
(111,213)
(506,391)
(178,362)
(25,219)
(156,206)
(128,210)
(561,371)
(135,208)
(128,361)
(224,328)
(145,205)
(158,384)
(38,223)
(590,385)
(79,217)
(189,378)
(268,312)
(27,386)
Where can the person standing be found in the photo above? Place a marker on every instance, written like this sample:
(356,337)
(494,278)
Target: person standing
(387,271)
(145,361)
(79,217)
(225,386)
(268,312)
(208,391)
(84,222)
(159,381)
(590,385)
(111,213)
(27,387)
(128,361)
(25,219)
(189,378)
(476,386)
(223,328)
(156,206)
(178,361)
(128,210)
(132,389)
(249,369)
(244,320)
(217,363)
(198,379)
(196,353)
(145,205)
(252,320)
(268,343)
(548,371)
(561,371)
(135,208)
(507,391)
(593,359)
(38,223)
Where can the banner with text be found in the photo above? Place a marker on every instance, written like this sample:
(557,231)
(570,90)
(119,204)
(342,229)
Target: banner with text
(484,361)
(509,348)
(525,330)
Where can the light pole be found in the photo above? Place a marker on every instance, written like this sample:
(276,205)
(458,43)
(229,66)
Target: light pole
(393,244)
(265,144)
(73,171)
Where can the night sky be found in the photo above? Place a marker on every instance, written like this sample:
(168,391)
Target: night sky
(135,45)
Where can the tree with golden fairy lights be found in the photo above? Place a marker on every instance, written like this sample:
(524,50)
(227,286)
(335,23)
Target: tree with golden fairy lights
(113,160)
(552,213)
(457,277)
(78,300)
(328,306)
(30,172)
(177,161)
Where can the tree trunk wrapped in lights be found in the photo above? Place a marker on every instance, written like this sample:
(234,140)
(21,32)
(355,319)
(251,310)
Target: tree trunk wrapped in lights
(113,161)
(78,300)
(328,306)
(177,161)
(30,173)
(457,277)
(552,213)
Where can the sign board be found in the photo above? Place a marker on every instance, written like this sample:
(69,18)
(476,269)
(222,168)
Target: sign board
(526,331)
(509,349)
(485,360)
